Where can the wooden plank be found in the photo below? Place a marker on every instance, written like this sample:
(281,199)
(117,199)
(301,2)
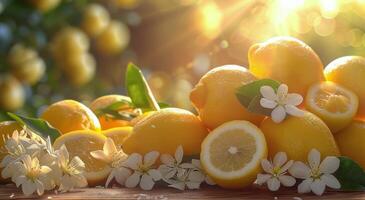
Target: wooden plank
(10,192)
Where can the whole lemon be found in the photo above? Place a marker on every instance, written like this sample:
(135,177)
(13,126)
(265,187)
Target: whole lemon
(287,60)
(351,141)
(95,19)
(215,96)
(44,5)
(80,68)
(12,94)
(107,121)
(349,71)
(113,39)
(298,135)
(164,131)
(70,115)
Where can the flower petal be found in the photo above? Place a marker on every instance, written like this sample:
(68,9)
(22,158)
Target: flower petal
(262,178)
(178,185)
(329,165)
(193,185)
(318,187)
(133,180)
(294,99)
(167,172)
(279,159)
(109,147)
(314,158)
(20,180)
(286,180)
(40,187)
(147,182)
(294,111)
(150,158)
(266,166)
(331,181)
(196,163)
(110,178)
(155,174)
(266,103)
(28,188)
(133,161)
(299,170)
(209,181)
(179,154)
(167,160)
(100,155)
(282,91)
(273,184)
(305,186)
(122,175)
(278,114)
(196,176)
(287,165)
(268,93)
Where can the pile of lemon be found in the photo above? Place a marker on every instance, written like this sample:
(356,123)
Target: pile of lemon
(230,140)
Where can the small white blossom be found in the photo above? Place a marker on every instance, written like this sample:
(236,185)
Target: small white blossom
(317,175)
(190,179)
(143,172)
(197,167)
(281,102)
(70,173)
(115,158)
(30,175)
(276,172)
(172,165)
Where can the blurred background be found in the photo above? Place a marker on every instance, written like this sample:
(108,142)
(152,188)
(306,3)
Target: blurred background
(58,49)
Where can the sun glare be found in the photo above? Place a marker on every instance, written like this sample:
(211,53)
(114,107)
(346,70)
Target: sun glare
(211,19)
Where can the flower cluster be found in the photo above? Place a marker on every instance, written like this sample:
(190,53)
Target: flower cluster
(316,176)
(32,163)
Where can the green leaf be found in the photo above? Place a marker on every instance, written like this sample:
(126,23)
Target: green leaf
(38,126)
(138,89)
(351,175)
(163,105)
(249,95)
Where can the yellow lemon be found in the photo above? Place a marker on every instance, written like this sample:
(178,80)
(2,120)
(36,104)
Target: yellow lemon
(164,131)
(70,115)
(126,4)
(215,99)
(107,121)
(113,39)
(118,134)
(349,71)
(296,136)
(334,104)
(80,68)
(351,141)
(287,60)
(231,154)
(44,5)
(81,143)
(12,94)
(95,19)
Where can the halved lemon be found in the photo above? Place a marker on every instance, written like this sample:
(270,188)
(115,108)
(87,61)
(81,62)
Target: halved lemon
(334,104)
(118,134)
(81,143)
(231,154)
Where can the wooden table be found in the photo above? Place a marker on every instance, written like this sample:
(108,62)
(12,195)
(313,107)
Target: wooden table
(10,192)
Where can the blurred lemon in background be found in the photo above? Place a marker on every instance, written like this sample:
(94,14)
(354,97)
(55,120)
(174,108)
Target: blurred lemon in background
(107,120)
(44,5)
(349,71)
(12,94)
(298,135)
(334,104)
(126,4)
(80,68)
(231,154)
(113,39)
(70,115)
(164,131)
(215,99)
(95,19)
(287,60)
(351,141)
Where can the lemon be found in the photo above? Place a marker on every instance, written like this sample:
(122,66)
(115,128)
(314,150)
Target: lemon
(126,4)
(80,68)
(349,71)
(351,141)
(334,104)
(118,134)
(70,115)
(102,102)
(164,131)
(12,94)
(296,136)
(44,5)
(81,143)
(113,39)
(287,60)
(95,19)
(215,96)
(231,154)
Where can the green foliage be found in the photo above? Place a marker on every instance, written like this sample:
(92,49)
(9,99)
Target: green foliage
(351,175)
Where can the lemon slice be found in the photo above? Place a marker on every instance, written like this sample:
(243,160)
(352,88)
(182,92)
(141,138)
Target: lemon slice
(334,104)
(81,143)
(119,134)
(231,154)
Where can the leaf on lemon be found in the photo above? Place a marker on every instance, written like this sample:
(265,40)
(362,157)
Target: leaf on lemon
(249,95)
(351,175)
(38,126)
(138,89)
(121,110)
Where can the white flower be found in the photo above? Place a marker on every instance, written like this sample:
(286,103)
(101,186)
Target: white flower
(281,102)
(172,165)
(197,167)
(143,172)
(30,175)
(115,158)
(318,175)
(276,172)
(190,179)
(70,173)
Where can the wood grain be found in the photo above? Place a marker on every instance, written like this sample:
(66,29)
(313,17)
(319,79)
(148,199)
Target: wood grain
(10,192)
